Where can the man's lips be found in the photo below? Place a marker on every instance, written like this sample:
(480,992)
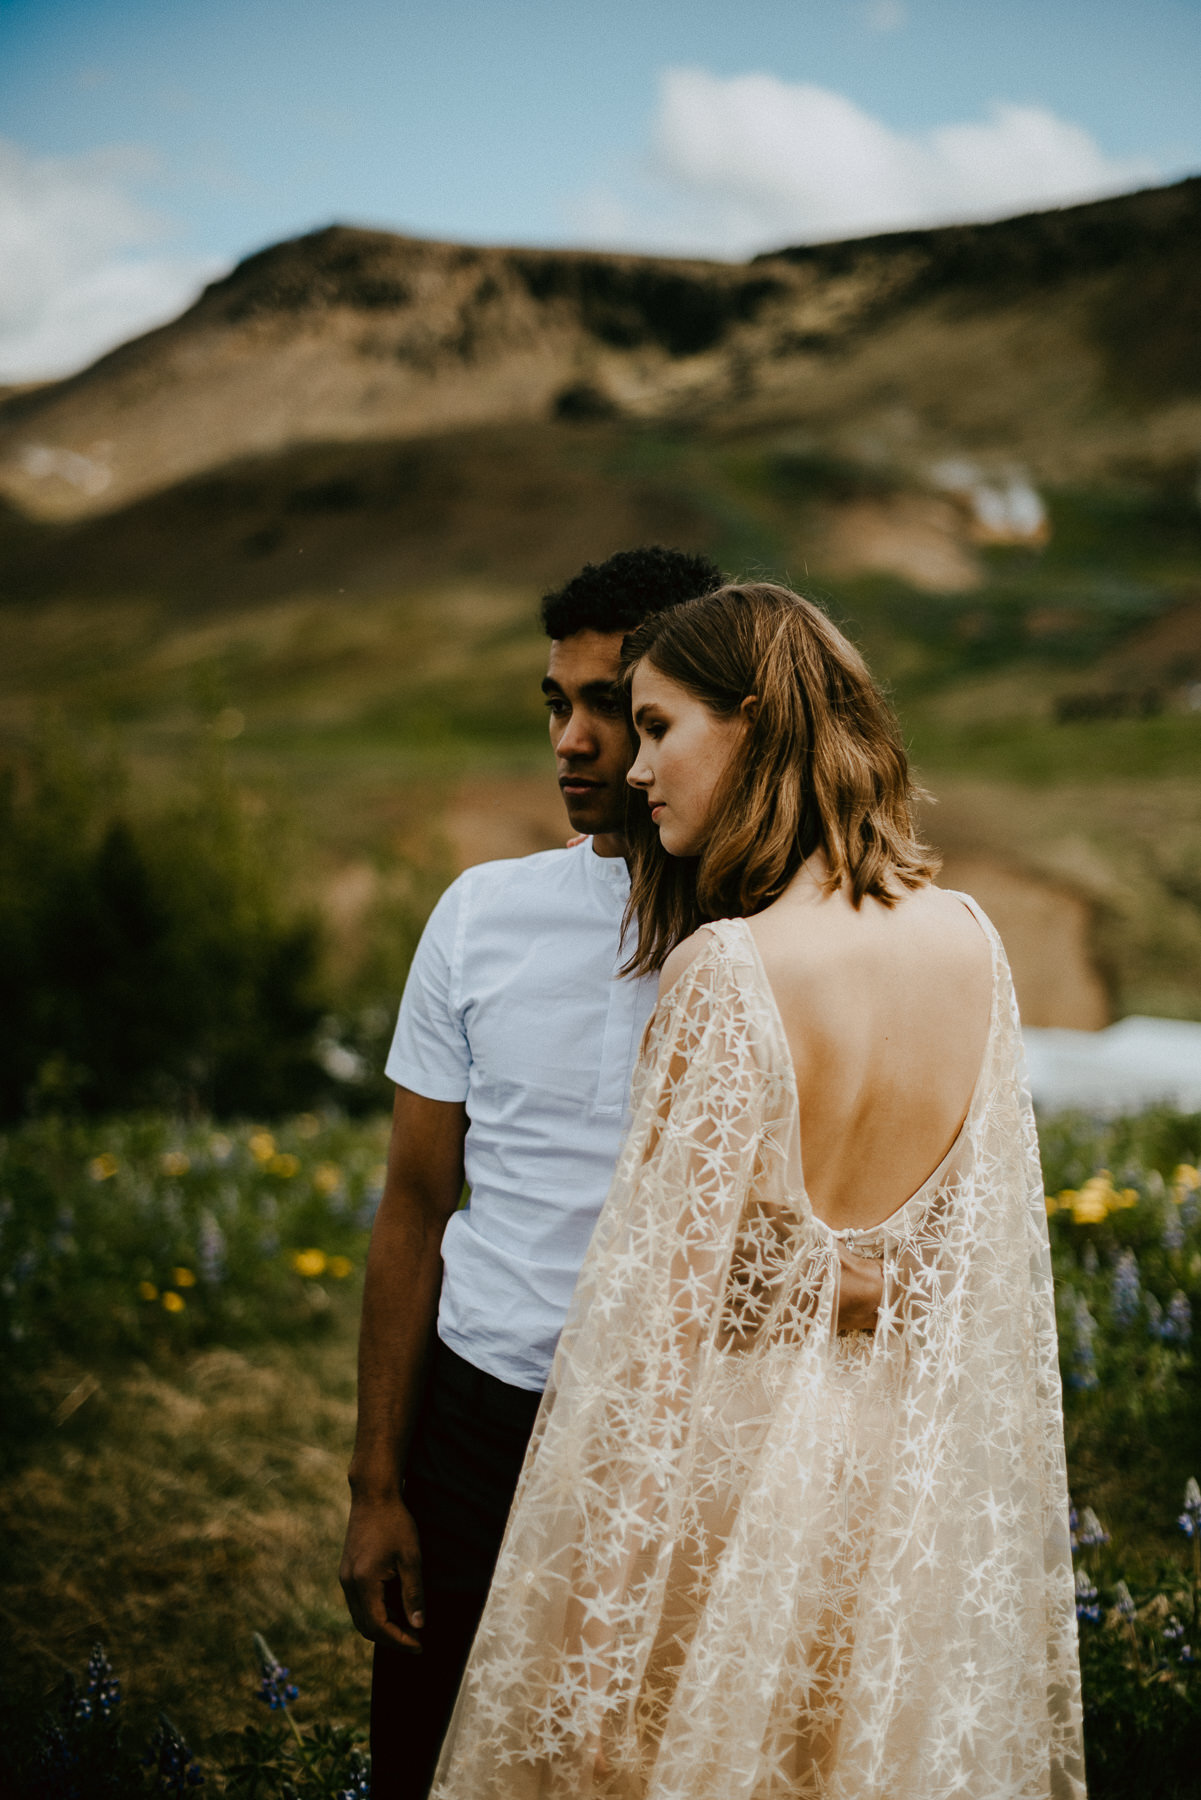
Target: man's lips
(579,784)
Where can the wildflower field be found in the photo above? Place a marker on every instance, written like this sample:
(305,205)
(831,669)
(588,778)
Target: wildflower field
(178,1306)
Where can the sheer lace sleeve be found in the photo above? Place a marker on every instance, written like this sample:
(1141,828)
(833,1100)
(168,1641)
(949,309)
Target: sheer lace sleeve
(751,1558)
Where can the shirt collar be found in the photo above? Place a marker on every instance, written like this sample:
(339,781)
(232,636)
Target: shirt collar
(612,870)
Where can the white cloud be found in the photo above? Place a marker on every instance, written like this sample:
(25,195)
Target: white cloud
(80,263)
(751,162)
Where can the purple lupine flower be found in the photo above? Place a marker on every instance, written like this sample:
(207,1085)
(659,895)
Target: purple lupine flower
(1173,1230)
(1088,1607)
(275,1690)
(1084,1361)
(54,1759)
(1154,1317)
(359,1771)
(1126,1292)
(1190,1518)
(1089,1533)
(211,1251)
(1177,1327)
(175,1770)
(103,1688)
(1125,1602)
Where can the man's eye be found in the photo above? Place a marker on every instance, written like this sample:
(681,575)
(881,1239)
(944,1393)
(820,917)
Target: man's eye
(559,708)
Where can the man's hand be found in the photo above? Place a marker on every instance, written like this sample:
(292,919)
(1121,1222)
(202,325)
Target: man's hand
(860,1292)
(381,1562)
(382,1552)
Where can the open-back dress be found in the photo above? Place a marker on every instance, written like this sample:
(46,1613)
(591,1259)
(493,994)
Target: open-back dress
(750,1558)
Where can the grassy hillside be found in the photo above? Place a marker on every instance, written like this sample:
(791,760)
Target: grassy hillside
(357,624)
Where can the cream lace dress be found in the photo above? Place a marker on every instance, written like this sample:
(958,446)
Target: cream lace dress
(750,1558)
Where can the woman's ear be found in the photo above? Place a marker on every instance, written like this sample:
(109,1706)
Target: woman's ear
(750,709)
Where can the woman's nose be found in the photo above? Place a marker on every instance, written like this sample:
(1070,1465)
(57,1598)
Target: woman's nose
(638,775)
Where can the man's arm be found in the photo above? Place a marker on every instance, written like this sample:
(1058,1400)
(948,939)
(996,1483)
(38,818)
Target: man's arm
(400,1302)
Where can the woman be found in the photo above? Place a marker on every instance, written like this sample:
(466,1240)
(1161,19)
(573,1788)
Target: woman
(748,1557)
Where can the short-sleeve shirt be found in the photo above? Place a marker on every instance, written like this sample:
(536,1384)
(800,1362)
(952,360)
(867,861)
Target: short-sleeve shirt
(514,1005)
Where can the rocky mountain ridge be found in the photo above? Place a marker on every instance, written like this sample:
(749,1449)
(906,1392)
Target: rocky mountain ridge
(1067,342)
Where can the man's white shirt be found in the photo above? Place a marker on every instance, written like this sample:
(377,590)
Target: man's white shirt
(514,1005)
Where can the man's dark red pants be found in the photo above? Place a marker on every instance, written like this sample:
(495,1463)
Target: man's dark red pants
(463,1464)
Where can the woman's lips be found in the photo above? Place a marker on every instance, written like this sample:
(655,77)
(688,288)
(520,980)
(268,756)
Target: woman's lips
(656,808)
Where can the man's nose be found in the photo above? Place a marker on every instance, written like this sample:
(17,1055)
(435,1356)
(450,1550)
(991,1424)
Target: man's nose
(577,740)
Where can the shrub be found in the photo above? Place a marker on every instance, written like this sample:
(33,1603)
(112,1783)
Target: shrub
(146,960)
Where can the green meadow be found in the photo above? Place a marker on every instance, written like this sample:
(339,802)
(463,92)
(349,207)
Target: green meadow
(178,1309)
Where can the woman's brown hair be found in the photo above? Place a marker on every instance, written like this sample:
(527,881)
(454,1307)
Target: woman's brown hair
(822,766)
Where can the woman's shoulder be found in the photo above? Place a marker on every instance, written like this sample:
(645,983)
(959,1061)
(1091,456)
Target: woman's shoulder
(682,958)
(822,939)
(705,942)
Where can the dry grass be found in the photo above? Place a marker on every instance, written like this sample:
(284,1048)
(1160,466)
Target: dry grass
(177,1510)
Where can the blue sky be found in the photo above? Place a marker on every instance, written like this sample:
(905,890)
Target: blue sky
(146,144)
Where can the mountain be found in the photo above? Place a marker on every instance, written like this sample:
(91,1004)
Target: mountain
(310,518)
(1068,342)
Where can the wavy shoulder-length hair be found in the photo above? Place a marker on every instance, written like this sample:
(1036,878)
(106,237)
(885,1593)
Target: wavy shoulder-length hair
(822,766)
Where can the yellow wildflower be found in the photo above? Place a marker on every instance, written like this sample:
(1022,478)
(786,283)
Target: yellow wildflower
(1052,1204)
(326,1177)
(309,1263)
(285,1164)
(262,1146)
(1096,1199)
(147,1290)
(308,1125)
(1184,1181)
(176,1162)
(173,1302)
(103,1167)
(183,1278)
(340,1267)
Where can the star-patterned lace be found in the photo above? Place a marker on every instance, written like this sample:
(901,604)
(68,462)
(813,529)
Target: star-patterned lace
(750,1558)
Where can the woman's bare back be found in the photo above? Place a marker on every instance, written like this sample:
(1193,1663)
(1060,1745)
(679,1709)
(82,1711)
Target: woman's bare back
(886,1011)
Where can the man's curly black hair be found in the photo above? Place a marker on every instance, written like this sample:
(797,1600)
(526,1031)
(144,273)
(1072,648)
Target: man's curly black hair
(619,593)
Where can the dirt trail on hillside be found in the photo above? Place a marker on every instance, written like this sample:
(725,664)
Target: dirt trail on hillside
(1045,927)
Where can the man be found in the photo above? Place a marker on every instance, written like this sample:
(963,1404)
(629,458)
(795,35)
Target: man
(512,1056)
